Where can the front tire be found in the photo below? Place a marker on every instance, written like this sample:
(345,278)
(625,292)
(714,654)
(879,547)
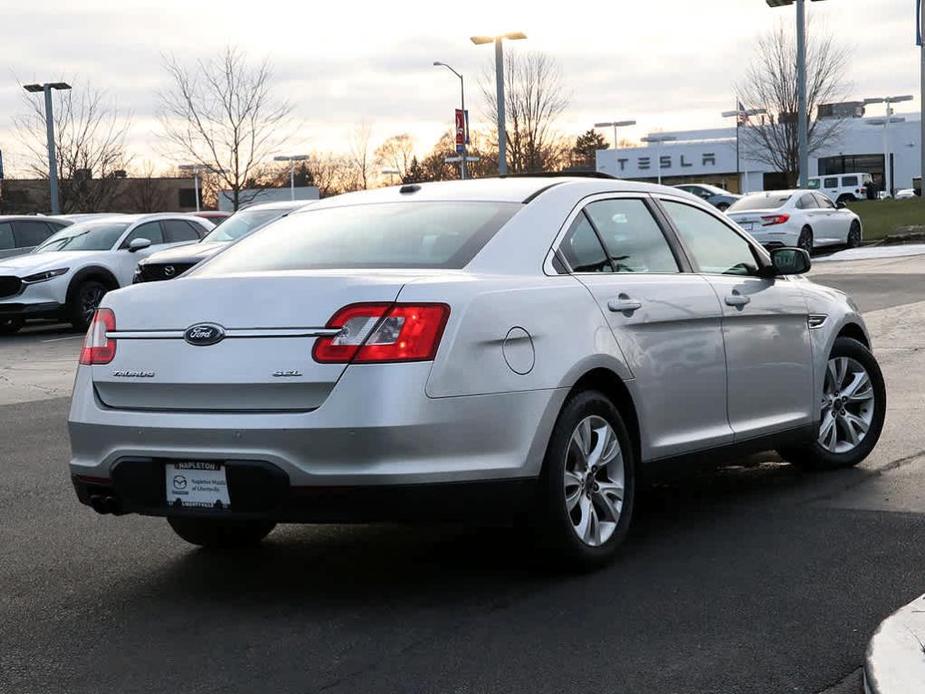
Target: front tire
(588,483)
(852,411)
(84,302)
(854,235)
(11,325)
(805,241)
(220,533)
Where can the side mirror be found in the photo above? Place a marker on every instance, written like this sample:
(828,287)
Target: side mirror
(840,205)
(138,244)
(789,261)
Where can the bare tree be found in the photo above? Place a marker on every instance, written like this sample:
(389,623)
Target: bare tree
(222,116)
(534,99)
(396,153)
(147,193)
(331,173)
(771,83)
(359,157)
(90,147)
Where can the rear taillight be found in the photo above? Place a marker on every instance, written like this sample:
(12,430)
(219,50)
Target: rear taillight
(773,219)
(99,349)
(376,333)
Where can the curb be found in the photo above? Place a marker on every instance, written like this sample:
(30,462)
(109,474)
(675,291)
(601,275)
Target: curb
(895,662)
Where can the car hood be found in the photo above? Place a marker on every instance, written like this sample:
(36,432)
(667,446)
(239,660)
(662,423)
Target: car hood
(193,252)
(30,263)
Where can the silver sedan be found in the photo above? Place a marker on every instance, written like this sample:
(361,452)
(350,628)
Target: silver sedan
(524,347)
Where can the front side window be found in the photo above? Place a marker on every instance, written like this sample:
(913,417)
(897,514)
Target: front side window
(631,236)
(824,202)
(582,249)
(149,230)
(715,247)
(439,235)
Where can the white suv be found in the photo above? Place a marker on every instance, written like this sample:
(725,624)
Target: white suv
(842,187)
(67,276)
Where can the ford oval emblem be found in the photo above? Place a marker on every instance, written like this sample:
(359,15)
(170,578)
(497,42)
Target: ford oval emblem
(204,334)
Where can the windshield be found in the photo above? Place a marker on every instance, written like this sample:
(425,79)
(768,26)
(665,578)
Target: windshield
(385,235)
(89,236)
(242,223)
(762,201)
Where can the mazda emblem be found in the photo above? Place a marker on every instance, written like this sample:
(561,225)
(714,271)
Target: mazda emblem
(204,334)
(169,271)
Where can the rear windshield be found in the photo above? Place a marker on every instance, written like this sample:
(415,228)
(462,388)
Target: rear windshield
(759,202)
(386,235)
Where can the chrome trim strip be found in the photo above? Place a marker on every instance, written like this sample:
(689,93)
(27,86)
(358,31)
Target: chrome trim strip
(233,333)
(816,320)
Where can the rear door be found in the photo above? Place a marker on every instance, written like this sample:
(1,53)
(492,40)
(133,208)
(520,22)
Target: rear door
(765,326)
(667,322)
(834,222)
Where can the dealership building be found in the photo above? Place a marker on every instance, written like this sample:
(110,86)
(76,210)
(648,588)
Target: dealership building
(709,156)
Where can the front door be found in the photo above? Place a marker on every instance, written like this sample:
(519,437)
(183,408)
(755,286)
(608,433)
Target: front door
(769,360)
(666,322)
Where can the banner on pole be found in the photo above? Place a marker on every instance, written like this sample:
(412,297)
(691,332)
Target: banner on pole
(462,129)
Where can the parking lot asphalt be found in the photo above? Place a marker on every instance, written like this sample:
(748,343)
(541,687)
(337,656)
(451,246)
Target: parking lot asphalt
(754,578)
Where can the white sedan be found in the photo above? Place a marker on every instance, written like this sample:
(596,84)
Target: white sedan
(802,218)
(67,276)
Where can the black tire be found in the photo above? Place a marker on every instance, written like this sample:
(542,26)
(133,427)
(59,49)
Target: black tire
(812,456)
(11,325)
(805,241)
(554,523)
(83,302)
(221,533)
(854,234)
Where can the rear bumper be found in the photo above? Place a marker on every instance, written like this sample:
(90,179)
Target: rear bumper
(377,427)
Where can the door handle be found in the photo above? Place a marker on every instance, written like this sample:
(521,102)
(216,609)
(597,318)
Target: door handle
(624,304)
(737,300)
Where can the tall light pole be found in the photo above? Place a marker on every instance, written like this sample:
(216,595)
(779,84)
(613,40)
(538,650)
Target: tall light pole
(921,33)
(193,169)
(499,89)
(292,159)
(802,115)
(50,134)
(658,140)
(615,124)
(462,106)
(885,122)
(742,114)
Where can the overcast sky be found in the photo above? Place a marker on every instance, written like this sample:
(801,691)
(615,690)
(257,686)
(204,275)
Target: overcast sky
(670,64)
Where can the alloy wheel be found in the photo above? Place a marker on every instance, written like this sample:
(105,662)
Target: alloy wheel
(848,405)
(806,241)
(90,299)
(594,480)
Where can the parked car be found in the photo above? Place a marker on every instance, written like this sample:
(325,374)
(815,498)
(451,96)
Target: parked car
(171,263)
(719,198)
(214,216)
(20,234)
(842,187)
(517,345)
(802,218)
(905,194)
(68,275)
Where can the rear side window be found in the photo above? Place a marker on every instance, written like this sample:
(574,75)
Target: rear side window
(30,233)
(715,247)
(179,230)
(631,236)
(807,202)
(850,181)
(385,235)
(6,236)
(582,249)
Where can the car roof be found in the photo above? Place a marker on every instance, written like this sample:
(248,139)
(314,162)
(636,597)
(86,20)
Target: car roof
(278,205)
(33,218)
(514,189)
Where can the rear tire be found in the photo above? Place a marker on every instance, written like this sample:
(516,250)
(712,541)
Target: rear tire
(854,235)
(11,325)
(805,241)
(221,533)
(850,404)
(587,486)
(83,303)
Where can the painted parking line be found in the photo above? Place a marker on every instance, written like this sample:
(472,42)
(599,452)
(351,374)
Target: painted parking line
(69,337)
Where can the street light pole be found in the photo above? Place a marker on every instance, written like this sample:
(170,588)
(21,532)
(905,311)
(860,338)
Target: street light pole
(50,134)
(615,124)
(292,159)
(462,102)
(742,114)
(889,101)
(922,98)
(499,89)
(193,169)
(658,140)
